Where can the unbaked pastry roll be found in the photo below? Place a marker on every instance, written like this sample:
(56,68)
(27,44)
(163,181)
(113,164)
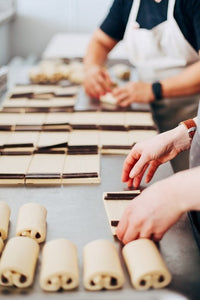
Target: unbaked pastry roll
(59,266)
(108,98)
(18,261)
(32,221)
(102,268)
(145,265)
(4,220)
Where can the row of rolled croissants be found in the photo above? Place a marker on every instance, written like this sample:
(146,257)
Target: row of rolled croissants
(102,268)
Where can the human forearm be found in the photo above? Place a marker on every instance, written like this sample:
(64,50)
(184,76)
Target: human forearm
(185,83)
(186,188)
(98,49)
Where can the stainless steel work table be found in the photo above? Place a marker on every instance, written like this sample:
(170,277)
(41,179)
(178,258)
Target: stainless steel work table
(77,213)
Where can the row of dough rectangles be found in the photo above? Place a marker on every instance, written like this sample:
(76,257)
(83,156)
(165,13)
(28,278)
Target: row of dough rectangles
(36,169)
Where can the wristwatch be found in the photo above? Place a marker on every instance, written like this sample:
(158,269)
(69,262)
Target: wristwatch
(190,126)
(157,90)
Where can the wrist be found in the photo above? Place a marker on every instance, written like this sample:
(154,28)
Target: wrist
(182,140)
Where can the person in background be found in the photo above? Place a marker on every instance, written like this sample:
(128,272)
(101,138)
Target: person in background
(159,206)
(162,38)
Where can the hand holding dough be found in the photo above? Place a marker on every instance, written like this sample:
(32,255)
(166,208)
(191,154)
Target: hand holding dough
(32,222)
(145,265)
(102,268)
(18,261)
(4,220)
(59,266)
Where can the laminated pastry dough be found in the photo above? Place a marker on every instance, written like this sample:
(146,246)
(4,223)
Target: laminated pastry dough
(86,137)
(4,137)
(30,120)
(145,264)
(112,118)
(31,222)
(13,169)
(136,136)
(102,268)
(18,262)
(139,119)
(81,169)
(108,98)
(21,141)
(114,142)
(8,119)
(51,103)
(53,139)
(59,266)
(115,204)
(45,169)
(58,118)
(85,118)
(4,220)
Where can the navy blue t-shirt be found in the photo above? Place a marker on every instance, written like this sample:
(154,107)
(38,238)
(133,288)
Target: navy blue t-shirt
(186,14)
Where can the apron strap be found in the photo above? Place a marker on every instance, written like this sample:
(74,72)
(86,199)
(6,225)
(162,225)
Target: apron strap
(134,10)
(170,11)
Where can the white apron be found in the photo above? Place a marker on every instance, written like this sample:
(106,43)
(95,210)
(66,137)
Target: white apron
(160,53)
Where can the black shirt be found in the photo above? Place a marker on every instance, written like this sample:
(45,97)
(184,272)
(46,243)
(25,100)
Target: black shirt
(186,14)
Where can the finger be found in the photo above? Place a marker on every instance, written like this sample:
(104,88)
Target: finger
(130,182)
(107,78)
(122,226)
(129,163)
(126,102)
(151,171)
(156,237)
(104,84)
(131,234)
(138,179)
(139,166)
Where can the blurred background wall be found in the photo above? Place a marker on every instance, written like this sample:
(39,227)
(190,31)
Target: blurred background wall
(36,21)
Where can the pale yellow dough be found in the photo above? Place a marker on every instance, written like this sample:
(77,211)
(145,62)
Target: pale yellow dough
(108,98)
(136,136)
(18,262)
(145,264)
(4,220)
(86,137)
(102,268)
(77,164)
(138,118)
(31,222)
(115,208)
(59,266)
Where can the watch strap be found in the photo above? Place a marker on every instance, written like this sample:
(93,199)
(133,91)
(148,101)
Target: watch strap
(190,126)
(157,90)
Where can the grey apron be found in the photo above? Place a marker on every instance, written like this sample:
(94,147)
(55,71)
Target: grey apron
(195,162)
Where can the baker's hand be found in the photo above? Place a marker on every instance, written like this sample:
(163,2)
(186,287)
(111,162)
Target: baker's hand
(97,81)
(152,213)
(133,92)
(151,153)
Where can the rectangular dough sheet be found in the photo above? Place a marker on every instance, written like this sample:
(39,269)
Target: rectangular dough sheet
(81,169)
(114,142)
(138,118)
(45,169)
(13,169)
(115,204)
(53,139)
(85,118)
(84,137)
(112,118)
